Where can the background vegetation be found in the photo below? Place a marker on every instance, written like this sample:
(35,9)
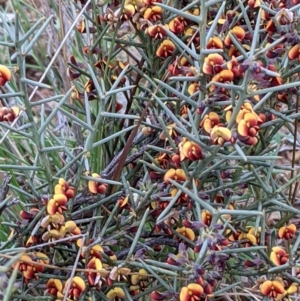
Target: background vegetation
(140,147)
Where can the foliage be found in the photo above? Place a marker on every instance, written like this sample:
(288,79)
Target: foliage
(140,160)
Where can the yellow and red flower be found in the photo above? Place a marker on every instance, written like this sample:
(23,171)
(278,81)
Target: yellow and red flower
(187,232)
(213,63)
(220,134)
(94,251)
(238,32)
(29,215)
(193,88)
(54,220)
(8,114)
(116,294)
(5,75)
(96,187)
(53,286)
(287,232)
(94,278)
(153,13)
(215,43)
(176,26)
(248,128)
(157,296)
(192,292)
(235,67)
(139,281)
(175,174)
(157,31)
(272,288)
(165,49)
(77,288)
(57,204)
(209,121)
(279,256)
(83,29)
(251,236)
(206,217)
(223,77)
(189,150)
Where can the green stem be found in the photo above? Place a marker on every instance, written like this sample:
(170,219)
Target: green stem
(43,159)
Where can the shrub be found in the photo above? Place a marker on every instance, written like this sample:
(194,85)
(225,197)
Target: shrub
(141,160)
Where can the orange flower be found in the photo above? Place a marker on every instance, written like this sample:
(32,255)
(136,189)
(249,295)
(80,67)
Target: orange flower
(187,232)
(209,121)
(213,63)
(189,150)
(96,187)
(272,288)
(5,75)
(219,135)
(192,292)
(176,26)
(279,256)
(54,286)
(175,174)
(153,13)
(238,32)
(287,232)
(76,289)
(165,49)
